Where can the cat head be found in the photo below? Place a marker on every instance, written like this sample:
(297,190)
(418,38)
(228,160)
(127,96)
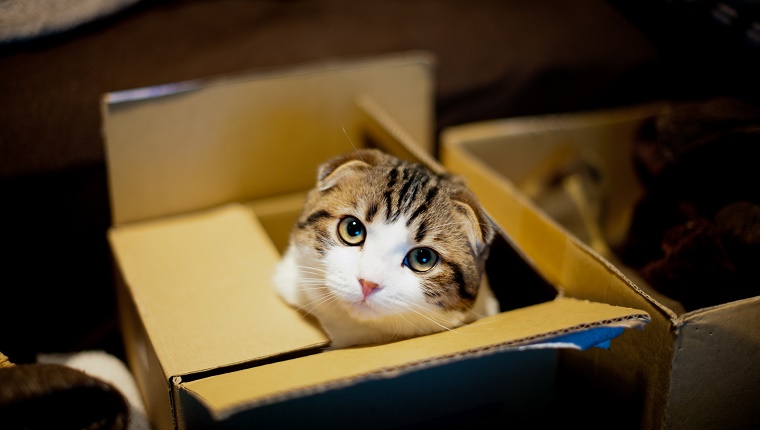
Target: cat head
(391,237)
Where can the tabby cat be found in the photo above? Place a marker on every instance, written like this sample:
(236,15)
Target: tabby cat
(385,249)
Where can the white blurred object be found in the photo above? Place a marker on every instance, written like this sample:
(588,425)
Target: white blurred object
(26,19)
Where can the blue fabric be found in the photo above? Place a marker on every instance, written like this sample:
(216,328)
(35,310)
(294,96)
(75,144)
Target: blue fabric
(599,337)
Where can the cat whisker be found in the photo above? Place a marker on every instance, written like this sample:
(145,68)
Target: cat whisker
(428,317)
(312,277)
(325,295)
(477,314)
(398,325)
(324,299)
(314,269)
(429,311)
(311,282)
(351,142)
(311,285)
(409,322)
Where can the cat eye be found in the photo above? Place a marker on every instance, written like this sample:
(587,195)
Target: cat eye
(351,231)
(421,259)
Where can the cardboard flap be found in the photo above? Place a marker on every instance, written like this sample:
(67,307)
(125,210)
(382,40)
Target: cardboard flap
(194,146)
(223,394)
(559,256)
(716,346)
(202,283)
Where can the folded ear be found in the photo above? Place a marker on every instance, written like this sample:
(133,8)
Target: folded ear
(346,165)
(481,228)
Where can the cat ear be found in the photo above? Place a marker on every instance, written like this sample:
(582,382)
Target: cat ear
(481,230)
(346,165)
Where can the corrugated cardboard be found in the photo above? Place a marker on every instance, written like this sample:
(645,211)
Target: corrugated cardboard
(688,370)
(205,184)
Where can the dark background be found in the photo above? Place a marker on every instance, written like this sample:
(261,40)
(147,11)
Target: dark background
(496,59)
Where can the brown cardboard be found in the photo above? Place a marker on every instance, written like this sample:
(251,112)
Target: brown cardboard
(287,380)
(488,334)
(205,184)
(244,129)
(687,370)
(179,260)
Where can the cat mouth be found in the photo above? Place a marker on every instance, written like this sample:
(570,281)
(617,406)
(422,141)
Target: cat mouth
(364,310)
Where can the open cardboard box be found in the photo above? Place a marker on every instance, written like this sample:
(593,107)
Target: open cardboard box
(695,369)
(206,179)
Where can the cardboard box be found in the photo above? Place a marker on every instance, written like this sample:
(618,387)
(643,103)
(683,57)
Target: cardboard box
(688,370)
(206,179)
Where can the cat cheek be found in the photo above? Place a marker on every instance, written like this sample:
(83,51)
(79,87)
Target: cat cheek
(411,287)
(341,265)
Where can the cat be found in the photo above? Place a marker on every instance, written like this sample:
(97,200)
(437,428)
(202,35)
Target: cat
(385,249)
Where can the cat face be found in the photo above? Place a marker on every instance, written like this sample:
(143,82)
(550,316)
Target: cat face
(380,237)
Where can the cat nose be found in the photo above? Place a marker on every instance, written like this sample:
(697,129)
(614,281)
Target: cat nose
(368,287)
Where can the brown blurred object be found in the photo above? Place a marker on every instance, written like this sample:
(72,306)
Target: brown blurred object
(53,396)
(695,233)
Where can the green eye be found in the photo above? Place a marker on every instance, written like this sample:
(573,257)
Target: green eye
(421,259)
(351,231)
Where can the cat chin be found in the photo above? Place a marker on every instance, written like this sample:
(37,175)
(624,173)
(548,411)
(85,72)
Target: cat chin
(362,312)
(379,311)
(357,333)
(345,329)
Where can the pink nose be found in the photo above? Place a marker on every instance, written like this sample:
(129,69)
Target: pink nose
(368,287)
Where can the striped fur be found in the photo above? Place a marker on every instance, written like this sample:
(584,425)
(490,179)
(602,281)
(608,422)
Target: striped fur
(403,207)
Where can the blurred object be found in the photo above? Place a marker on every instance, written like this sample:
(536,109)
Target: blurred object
(707,48)
(694,234)
(4,361)
(54,396)
(109,368)
(27,19)
(570,188)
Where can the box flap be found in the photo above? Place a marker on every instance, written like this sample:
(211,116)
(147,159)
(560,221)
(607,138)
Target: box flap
(715,347)
(202,283)
(225,394)
(475,152)
(192,146)
(470,392)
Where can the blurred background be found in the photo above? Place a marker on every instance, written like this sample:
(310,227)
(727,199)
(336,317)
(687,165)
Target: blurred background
(496,59)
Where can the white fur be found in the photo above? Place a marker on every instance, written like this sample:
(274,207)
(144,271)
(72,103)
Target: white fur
(331,291)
